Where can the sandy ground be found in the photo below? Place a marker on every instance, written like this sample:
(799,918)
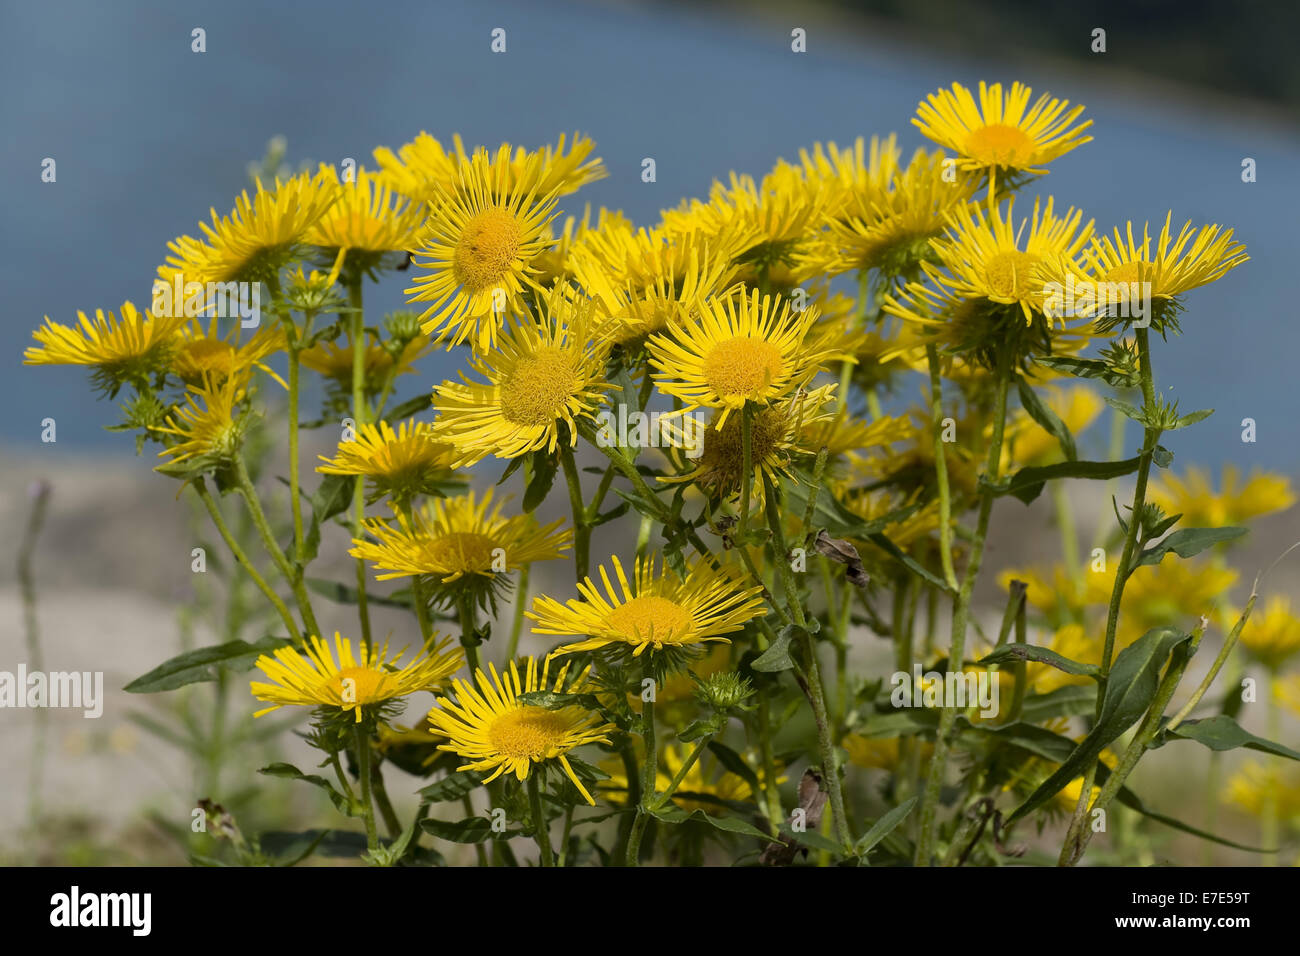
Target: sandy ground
(113,574)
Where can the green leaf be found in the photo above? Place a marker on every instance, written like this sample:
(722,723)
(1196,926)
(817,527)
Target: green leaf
(1027,483)
(1129,411)
(332,497)
(539,475)
(1068,701)
(1223,733)
(451,787)
(1013,653)
(1191,418)
(203,664)
(883,827)
(675,815)
(469,830)
(1185,543)
(1085,368)
(1048,419)
(735,764)
(777,656)
(1129,691)
(347,594)
(290,772)
(410,407)
(813,840)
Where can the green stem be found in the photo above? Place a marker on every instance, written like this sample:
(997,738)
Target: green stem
(581,526)
(468,623)
(367,804)
(941,468)
(27,582)
(360,417)
(649,765)
(540,828)
(961,616)
(214,512)
(517,621)
(249,493)
(682,771)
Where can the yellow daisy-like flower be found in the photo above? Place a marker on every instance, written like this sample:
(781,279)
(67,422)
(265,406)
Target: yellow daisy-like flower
(1195,499)
(643,280)
(879,753)
(1195,258)
(120,350)
(697,782)
(261,234)
(1272,636)
(401,463)
(538,377)
(423,167)
(204,354)
(890,228)
(1001,133)
(343,680)
(651,612)
(1072,641)
(1287,692)
(461,536)
(494,730)
(210,427)
(847,175)
(778,433)
(983,260)
(478,247)
(367,219)
(740,349)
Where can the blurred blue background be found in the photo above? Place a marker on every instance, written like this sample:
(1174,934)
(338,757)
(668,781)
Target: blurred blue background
(148,135)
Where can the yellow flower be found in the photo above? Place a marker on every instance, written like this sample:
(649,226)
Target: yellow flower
(1194,259)
(1194,497)
(367,219)
(494,731)
(1287,692)
(985,263)
(738,350)
(890,227)
(1001,133)
(478,247)
(778,434)
(314,678)
(261,234)
(650,612)
(844,176)
(1252,787)
(1272,636)
(539,376)
(879,753)
(334,361)
(401,463)
(201,354)
(461,536)
(1072,641)
(423,168)
(129,349)
(210,427)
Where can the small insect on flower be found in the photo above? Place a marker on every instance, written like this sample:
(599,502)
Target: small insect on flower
(494,730)
(348,682)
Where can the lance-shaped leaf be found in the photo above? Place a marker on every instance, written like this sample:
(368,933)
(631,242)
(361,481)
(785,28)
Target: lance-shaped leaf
(907,561)
(1223,733)
(1012,653)
(675,815)
(203,664)
(1130,689)
(1185,543)
(1048,419)
(289,771)
(451,787)
(883,827)
(1027,484)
